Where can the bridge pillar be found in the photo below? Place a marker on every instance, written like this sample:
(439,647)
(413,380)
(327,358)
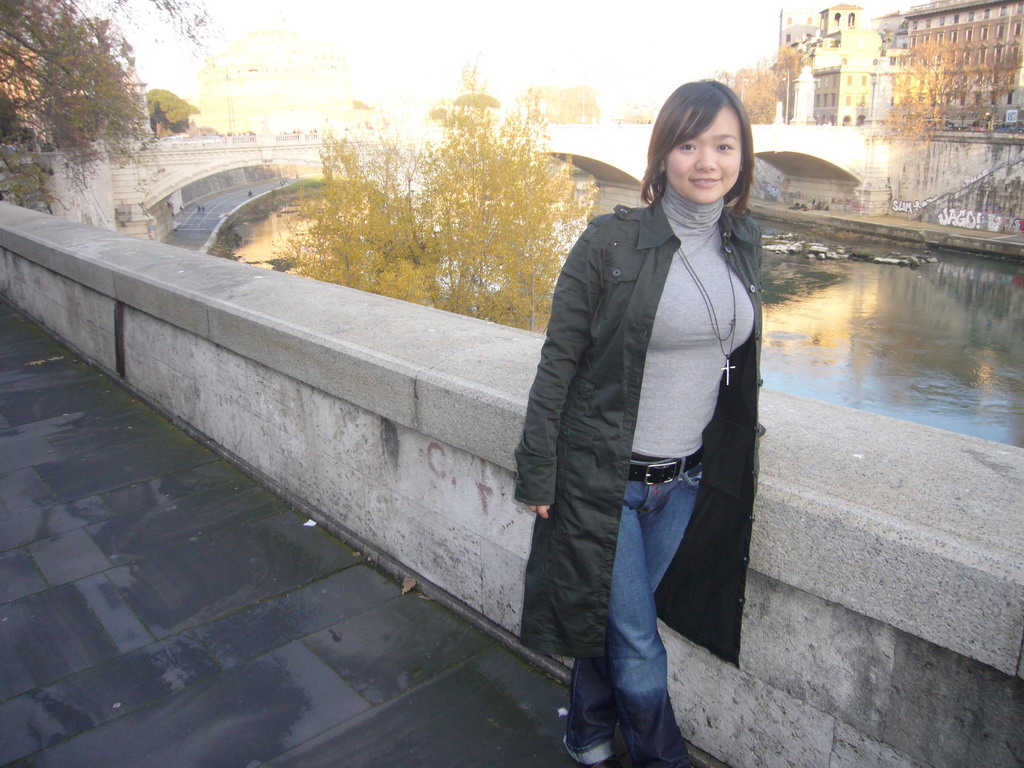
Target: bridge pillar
(875,193)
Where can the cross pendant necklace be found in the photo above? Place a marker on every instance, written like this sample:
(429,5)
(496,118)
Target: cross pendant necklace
(727,368)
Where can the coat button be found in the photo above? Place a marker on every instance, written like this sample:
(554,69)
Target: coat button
(618,273)
(727,249)
(746,560)
(742,600)
(752,288)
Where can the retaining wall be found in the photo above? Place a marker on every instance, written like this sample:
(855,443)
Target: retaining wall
(885,607)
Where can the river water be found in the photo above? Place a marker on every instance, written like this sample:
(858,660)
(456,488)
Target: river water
(942,345)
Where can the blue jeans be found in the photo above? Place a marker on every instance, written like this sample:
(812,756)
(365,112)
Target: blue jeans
(629,684)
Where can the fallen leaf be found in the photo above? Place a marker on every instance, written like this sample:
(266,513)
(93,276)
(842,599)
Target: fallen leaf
(36,362)
(408,584)
(309,523)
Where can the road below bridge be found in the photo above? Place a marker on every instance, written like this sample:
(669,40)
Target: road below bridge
(196,223)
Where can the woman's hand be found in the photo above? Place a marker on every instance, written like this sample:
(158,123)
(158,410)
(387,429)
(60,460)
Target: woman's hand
(541,510)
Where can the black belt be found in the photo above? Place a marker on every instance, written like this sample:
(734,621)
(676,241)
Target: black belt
(652,471)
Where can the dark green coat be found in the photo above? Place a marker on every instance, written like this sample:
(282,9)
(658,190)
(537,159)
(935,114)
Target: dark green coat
(578,436)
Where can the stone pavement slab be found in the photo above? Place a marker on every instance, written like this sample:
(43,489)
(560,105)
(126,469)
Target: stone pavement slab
(160,609)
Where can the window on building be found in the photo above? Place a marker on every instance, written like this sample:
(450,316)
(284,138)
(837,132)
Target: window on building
(942,21)
(984,33)
(863,79)
(925,38)
(861,103)
(789,21)
(809,22)
(927,23)
(982,54)
(1016,29)
(988,12)
(1002,11)
(956,18)
(851,20)
(849,79)
(838,19)
(789,38)
(952,36)
(1000,30)
(835,97)
(847,99)
(970,16)
(914,26)
(1020,7)
(968,35)
(938,37)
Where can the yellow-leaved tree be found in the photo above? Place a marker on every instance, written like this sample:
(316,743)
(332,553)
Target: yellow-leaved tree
(477,223)
(362,228)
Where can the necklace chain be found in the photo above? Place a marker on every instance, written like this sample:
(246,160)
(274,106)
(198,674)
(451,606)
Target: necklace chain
(712,315)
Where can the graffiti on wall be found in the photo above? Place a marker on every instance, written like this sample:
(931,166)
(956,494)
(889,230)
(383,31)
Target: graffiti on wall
(912,206)
(960,217)
(981,175)
(772,191)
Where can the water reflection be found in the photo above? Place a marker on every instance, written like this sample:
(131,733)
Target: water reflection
(941,345)
(263,241)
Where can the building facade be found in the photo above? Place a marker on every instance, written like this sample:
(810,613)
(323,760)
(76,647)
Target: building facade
(796,25)
(845,59)
(276,82)
(992,31)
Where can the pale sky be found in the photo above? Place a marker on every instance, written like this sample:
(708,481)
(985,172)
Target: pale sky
(406,50)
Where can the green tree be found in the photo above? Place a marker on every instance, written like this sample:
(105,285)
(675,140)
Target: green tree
(168,112)
(477,223)
(67,84)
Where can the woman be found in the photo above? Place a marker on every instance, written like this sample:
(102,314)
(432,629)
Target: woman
(641,426)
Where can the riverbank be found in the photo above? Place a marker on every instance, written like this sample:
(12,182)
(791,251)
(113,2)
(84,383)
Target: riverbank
(895,229)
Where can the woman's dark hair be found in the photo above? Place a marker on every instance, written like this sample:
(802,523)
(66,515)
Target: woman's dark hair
(687,113)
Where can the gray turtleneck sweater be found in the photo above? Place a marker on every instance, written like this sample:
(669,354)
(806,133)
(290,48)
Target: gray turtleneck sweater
(684,358)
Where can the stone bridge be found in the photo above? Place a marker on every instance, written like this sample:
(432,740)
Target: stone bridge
(884,609)
(143,186)
(822,161)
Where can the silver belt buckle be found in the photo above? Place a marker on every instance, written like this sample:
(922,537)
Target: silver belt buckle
(659,465)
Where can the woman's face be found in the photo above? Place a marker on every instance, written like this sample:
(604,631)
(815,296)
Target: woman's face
(705,168)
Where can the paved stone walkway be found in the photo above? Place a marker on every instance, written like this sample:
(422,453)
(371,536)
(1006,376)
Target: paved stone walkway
(158,609)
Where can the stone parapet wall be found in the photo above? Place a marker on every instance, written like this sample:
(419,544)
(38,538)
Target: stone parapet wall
(885,607)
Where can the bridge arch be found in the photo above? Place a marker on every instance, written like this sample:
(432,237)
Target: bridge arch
(816,162)
(173,171)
